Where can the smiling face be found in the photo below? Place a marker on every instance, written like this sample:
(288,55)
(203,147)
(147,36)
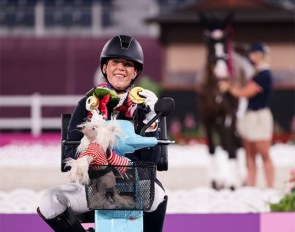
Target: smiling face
(119,72)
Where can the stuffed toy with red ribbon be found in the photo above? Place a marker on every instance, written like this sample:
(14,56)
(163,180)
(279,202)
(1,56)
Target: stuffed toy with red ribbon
(100,99)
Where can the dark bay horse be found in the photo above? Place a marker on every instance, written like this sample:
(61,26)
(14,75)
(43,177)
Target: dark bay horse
(219,110)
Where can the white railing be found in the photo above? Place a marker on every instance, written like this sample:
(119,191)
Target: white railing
(35,102)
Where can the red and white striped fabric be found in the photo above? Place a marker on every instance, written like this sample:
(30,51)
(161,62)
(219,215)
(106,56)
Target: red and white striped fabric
(115,159)
(99,158)
(98,154)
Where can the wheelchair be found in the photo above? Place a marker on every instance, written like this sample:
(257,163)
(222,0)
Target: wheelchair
(139,187)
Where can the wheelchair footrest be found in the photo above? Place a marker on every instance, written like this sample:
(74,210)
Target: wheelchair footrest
(119,220)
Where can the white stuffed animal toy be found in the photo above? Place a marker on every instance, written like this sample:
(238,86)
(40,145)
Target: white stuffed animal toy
(99,135)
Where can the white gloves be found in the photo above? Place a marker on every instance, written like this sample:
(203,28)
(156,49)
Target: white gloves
(150,98)
(150,101)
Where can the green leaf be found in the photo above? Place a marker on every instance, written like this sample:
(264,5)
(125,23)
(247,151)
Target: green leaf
(286,204)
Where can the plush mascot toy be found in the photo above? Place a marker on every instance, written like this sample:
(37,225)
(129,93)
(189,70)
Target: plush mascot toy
(100,99)
(99,136)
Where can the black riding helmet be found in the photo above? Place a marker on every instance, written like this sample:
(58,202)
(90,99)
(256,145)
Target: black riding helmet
(123,46)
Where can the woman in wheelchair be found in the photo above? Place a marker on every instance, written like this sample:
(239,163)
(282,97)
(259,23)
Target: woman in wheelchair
(121,62)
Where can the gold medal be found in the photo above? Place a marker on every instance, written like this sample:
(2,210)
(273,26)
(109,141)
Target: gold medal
(134,96)
(92,103)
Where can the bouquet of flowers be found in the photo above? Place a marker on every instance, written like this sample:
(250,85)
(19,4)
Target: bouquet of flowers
(287,203)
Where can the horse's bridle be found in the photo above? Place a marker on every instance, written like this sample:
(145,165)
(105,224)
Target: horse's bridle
(211,41)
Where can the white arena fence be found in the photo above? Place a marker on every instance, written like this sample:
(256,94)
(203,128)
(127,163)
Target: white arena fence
(197,200)
(35,122)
